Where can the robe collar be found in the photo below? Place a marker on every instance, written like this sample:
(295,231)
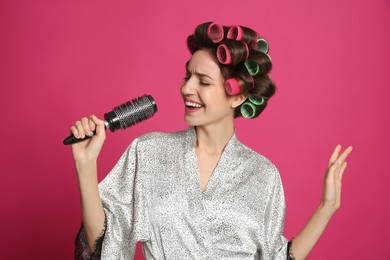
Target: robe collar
(222,177)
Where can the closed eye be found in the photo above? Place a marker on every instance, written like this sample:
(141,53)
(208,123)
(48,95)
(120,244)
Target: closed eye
(202,81)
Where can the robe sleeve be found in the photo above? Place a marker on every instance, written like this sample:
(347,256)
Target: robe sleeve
(276,245)
(122,193)
(82,249)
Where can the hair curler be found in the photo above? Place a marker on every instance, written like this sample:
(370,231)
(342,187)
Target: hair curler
(232,86)
(262,45)
(248,110)
(256,101)
(247,50)
(223,54)
(253,82)
(252,67)
(269,57)
(235,33)
(215,32)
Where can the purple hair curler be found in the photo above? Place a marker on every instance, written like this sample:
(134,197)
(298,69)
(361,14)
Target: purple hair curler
(215,32)
(232,87)
(235,33)
(223,54)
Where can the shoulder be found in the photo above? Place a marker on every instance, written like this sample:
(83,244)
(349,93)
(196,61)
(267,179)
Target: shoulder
(254,157)
(162,137)
(159,141)
(263,167)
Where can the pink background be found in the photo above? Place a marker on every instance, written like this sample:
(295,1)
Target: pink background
(61,60)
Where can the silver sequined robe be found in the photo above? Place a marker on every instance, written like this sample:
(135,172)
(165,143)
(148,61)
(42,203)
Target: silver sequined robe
(153,195)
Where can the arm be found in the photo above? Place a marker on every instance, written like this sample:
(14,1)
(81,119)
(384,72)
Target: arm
(309,235)
(85,156)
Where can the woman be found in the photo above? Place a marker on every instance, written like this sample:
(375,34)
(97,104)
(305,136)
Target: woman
(198,193)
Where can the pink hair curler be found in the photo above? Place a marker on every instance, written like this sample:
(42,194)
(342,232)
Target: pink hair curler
(223,54)
(235,33)
(215,32)
(253,82)
(232,87)
(247,50)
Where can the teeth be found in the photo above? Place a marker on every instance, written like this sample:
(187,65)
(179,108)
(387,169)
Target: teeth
(191,104)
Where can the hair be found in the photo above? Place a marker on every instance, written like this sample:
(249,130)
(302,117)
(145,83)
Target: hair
(241,54)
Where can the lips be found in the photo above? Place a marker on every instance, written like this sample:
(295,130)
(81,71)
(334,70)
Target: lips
(192,106)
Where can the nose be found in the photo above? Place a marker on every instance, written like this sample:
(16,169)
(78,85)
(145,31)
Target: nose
(188,87)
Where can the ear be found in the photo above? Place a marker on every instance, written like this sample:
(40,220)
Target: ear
(237,100)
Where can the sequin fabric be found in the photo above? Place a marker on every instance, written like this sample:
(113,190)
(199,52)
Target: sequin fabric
(153,195)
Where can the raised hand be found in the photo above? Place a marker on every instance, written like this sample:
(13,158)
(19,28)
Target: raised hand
(88,150)
(331,194)
(85,155)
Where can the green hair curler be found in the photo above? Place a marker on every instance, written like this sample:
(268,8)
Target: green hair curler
(248,110)
(262,45)
(256,101)
(252,67)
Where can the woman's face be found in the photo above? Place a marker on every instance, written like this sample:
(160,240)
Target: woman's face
(205,99)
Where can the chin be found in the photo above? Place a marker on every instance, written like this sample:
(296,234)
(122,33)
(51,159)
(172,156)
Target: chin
(191,122)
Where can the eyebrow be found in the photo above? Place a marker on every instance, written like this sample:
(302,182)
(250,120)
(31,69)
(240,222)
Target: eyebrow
(199,74)
(202,75)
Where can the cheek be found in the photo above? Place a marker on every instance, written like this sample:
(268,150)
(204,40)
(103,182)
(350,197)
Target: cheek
(218,96)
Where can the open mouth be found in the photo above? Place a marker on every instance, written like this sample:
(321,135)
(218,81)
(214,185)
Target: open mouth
(192,106)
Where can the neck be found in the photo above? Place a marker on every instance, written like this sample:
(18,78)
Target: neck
(213,139)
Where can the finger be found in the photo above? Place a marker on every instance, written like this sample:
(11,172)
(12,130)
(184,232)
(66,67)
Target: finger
(334,155)
(85,124)
(80,130)
(345,154)
(73,131)
(342,170)
(331,174)
(92,125)
(332,171)
(100,126)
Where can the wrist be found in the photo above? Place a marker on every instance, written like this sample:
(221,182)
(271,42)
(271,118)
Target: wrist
(84,167)
(327,209)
